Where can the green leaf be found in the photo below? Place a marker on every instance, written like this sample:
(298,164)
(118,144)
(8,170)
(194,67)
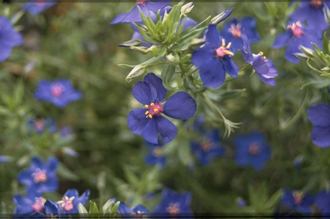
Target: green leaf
(115,208)
(316,84)
(65,173)
(274,200)
(82,210)
(132,179)
(106,208)
(93,208)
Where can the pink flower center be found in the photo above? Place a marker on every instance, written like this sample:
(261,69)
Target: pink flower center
(223,50)
(173,208)
(139,2)
(296,29)
(155,109)
(254,149)
(206,146)
(39,175)
(39,124)
(316,3)
(235,30)
(66,203)
(39,204)
(57,90)
(297,197)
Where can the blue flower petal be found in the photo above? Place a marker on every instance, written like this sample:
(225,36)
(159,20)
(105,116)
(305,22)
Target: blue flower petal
(319,115)
(212,36)
(137,120)
(11,38)
(25,177)
(157,83)
(282,40)
(180,106)
(212,73)
(156,5)
(166,129)
(202,55)
(5,52)
(150,131)
(83,198)
(123,208)
(71,193)
(144,92)
(51,207)
(52,165)
(230,66)
(119,18)
(141,209)
(322,201)
(321,136)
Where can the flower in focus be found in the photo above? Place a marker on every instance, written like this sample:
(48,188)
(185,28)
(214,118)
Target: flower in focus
(295,36)
(297,200)
(322,201)
(155,155)
(70,201)
(173,203)
(252,150)
(40,177)
(145,6)
(312,12)
(319,115)
(32,203)
(60,92)
(38,6)
(148,121)
(264,67)
(207,149)
(9,38)
(214,59)
(39,126)
(232,31)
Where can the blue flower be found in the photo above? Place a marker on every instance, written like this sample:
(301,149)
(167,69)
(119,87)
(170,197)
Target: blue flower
(4,159)
(240,202)
(70,201)
(51,208)
(65,131)
(311,12)
(252,150)
(319,115)
(60,92)
(173,203)
(207,149)
(322,201)
(39,126)
(145,6)
(155,154)
(32,203)
(214,59)
(264,67)
(297,200)
(297,35)
(148,121)
(38,6)
(40,177)
(9,38)
(232,31)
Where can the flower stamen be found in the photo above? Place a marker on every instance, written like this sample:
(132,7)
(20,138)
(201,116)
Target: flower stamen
(235,30)
(155,109)
(39,176)
(296,29)
(223,50)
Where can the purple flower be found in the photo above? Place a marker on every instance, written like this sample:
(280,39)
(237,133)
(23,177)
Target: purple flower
(322,201)
(252,150)
(214,59)
(32,203)
(297,35)
(9,38)
(297,200)
(173,203)
(70,201)
(38,6)
(264,67)
(319,115)
(311,12)
(207,149)
(39,126)
(40,177)
(145,6)
(232,31)
(60,92)
(155,154)
(148,121)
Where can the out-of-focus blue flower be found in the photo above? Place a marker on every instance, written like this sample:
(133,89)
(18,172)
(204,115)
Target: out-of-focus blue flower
(264,67)
(33,202)
(9,38)
(240,202)
(322,201)
(210,147)
(232,31)
(148,121)
(70,152)
(60,92)
(252,150)
(4,159)
(124,210)
(297,200)
(70,201)
(38,6)
(155,155)
(319,115)
(39,126)
(312,12)
(145,6)
(297,35)
(173,203)
(66,131)
(214,59)
(40,177)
